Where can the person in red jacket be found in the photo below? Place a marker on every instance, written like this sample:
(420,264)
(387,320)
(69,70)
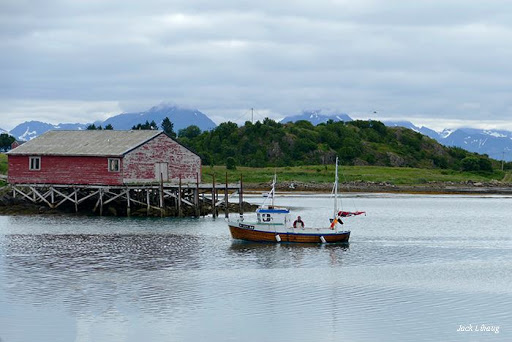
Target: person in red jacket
(298,223)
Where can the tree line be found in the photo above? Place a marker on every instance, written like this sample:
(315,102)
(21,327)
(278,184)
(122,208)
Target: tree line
(359,142)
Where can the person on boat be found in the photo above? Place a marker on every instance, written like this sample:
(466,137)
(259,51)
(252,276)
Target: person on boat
(298,223)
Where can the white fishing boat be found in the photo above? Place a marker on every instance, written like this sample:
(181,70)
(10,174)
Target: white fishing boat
(275,224)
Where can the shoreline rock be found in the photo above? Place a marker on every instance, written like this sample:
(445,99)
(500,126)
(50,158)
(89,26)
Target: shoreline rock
(468,187)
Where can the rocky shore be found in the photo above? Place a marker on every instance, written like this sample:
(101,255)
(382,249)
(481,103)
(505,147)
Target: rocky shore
(467,187)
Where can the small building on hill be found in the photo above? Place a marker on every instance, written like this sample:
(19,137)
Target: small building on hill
(16,143)
(102,157)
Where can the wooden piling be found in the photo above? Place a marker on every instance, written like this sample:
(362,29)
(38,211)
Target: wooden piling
(180,214)
(161,195)
(101,202)
(196,197)
(241,196)
(226,199)
(148,203)
(214,211)
(151,196)
(128,209)
(76,199)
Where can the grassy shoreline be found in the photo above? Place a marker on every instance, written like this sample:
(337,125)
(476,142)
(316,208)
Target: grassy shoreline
(321,174)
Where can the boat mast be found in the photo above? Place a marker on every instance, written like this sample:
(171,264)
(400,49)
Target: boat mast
(273,191)
(336,190)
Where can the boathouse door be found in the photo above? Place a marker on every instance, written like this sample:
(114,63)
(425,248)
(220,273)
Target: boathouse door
(161,172)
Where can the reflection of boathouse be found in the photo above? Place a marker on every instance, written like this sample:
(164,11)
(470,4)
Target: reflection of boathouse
(141,167)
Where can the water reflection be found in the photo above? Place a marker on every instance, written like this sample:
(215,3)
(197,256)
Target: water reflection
(401,278)
(288,255)
(97,272)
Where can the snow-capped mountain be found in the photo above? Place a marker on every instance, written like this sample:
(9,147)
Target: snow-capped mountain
(316,117)
(31,129)
(496,144)
(180,117)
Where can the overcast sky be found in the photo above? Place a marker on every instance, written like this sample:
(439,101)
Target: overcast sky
(439,63)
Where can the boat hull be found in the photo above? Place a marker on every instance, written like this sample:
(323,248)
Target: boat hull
(248,234)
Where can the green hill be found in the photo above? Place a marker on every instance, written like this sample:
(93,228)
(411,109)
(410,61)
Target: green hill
(358,143)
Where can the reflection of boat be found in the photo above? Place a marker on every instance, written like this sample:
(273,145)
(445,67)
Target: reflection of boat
(274,224)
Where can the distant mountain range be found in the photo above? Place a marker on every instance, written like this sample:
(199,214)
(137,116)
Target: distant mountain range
(495,143)
(31,129)
(180,117)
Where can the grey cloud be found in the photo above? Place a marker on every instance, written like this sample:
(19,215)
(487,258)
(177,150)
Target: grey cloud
(406,58)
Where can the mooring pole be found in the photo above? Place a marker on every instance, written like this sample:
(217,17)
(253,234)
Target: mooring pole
(241,196)
(226,198)
(196,197)
(128,209)
(202,203)
(213,197)
(76,199)
(161,195)
(148,206)
(180,214)
(101,201)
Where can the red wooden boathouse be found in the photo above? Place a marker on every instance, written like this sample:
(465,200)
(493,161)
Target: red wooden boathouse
(102,157)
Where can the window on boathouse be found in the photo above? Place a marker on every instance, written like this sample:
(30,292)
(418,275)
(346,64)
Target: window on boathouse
(34,163)
(113,165)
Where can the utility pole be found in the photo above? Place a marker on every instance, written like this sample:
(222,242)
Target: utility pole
(252,115)
(502,160)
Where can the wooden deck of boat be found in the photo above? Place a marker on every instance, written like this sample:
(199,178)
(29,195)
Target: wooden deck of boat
(256,235)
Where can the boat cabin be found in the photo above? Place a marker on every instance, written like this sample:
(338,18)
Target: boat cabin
(273,215)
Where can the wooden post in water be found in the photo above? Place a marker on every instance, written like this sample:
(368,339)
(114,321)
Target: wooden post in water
(214,211)
(241,196)
(226,199)
(196,197)
(161,195)
(148,206)
(101,201)
(76,199)
(180,214)
(128,209)
(202,203)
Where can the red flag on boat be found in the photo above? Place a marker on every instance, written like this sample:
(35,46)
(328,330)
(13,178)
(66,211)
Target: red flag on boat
(350,213)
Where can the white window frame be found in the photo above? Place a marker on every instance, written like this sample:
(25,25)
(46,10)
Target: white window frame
(114,162)
(34,163)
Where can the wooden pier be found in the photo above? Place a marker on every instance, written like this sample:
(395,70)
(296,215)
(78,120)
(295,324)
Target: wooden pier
(164,199)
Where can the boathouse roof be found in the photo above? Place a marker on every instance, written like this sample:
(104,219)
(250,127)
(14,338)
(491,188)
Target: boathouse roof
(85,143)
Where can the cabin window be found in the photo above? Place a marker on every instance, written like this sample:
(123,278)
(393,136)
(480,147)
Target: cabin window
(267,218)
(34,163)
(113,165)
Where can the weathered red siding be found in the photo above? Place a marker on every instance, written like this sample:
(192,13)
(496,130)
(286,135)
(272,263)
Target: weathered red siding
(64,170)
(139,164)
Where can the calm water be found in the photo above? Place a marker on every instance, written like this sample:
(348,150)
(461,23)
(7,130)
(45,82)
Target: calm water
(417,268)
